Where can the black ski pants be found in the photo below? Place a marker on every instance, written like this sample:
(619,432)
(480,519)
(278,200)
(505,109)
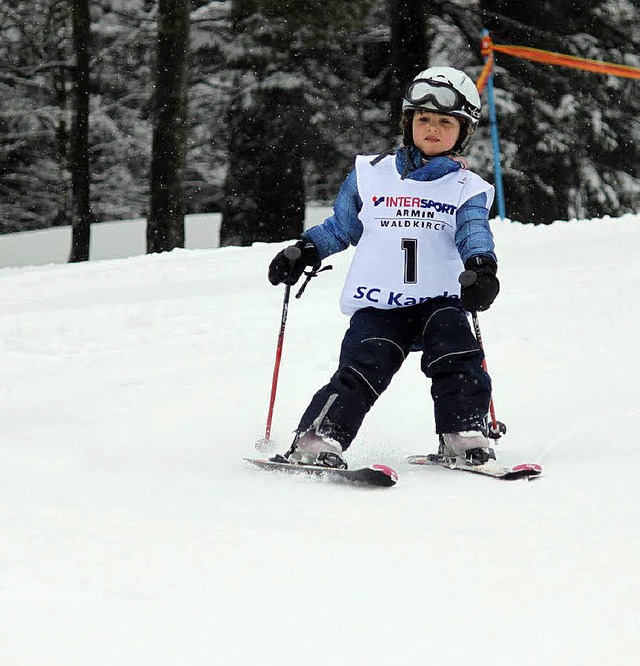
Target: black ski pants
(374,347)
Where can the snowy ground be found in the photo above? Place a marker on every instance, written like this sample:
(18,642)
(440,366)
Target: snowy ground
(133,534)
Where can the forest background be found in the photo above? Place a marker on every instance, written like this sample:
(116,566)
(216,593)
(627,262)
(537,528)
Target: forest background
(115,109)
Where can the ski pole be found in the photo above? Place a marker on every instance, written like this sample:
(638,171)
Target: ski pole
(496,428)
(267,445)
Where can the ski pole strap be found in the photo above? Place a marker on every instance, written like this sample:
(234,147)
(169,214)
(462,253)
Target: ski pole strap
(311,274)
(476,327)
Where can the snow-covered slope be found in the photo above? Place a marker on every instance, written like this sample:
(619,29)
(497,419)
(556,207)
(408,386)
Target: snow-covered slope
(132,533)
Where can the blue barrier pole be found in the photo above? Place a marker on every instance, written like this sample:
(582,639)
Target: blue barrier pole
(495,140)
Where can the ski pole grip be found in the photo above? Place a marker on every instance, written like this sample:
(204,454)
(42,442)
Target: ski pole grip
(467,278)
(292,253)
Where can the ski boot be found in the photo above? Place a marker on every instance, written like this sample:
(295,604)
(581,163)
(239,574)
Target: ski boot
(311,449)
(470,446)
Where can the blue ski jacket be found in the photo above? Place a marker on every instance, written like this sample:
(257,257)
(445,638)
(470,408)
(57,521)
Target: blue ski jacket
(472,236)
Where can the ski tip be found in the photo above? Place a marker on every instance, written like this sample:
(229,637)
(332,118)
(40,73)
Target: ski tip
(528,467)
(528,470)
(388,471)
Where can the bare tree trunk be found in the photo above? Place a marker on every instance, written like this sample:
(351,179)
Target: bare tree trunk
(79,140)
(165,226)
(264,197)
(408,50)
(264,194)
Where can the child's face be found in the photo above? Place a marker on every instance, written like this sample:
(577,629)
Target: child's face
(435,133)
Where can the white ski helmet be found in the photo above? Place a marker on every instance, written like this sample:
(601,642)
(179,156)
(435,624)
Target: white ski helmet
(446,90)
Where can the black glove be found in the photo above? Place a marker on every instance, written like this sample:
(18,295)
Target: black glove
(479,284)
(287,266)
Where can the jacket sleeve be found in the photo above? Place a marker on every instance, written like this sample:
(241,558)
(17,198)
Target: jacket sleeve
(473,234)
(344,227)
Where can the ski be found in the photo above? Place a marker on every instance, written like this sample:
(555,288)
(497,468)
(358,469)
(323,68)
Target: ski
(491,468)
(375,475)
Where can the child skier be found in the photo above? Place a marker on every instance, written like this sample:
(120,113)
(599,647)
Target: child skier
(418,217)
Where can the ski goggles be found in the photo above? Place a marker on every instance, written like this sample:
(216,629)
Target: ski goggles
(441,95)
